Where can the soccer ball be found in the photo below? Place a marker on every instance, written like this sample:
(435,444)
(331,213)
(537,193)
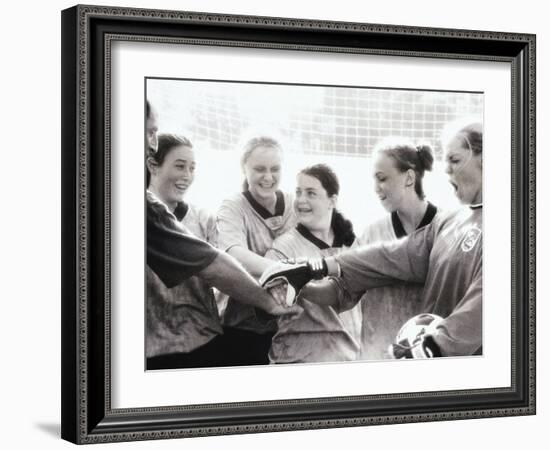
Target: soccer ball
(414,328)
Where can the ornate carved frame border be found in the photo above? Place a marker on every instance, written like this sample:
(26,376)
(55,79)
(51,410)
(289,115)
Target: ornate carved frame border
(87,35)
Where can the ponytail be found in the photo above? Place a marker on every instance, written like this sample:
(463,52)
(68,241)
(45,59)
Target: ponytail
(425,157)
(407,156)
(342,228)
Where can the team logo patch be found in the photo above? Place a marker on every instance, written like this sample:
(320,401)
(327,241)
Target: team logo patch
(470,239)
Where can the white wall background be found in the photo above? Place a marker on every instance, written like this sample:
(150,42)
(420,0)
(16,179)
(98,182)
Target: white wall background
(30,237)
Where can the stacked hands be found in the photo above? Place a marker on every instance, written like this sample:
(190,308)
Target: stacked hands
(285,280)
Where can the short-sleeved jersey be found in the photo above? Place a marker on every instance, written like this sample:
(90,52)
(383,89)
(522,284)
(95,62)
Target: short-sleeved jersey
(183,317)
(445,255)
(241,221)
(201,222)
(317,333)
(172,252)
(386,309)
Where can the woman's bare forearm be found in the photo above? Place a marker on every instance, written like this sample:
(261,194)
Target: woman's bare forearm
(226,274)
(252,262)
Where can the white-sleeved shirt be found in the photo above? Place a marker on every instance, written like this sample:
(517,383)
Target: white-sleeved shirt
(387,308)
(318,333)
(241,221)
(200,221)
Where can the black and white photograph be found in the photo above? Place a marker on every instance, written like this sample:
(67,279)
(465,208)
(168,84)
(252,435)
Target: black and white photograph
(300,223)
(279,224)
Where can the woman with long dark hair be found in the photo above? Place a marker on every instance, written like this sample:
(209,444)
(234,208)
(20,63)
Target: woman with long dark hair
(317,333)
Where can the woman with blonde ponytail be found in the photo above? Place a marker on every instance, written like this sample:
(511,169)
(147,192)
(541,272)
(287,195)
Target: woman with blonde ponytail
(247,224)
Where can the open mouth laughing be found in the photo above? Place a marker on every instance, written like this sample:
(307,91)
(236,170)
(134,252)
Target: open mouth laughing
(304,210)
(267,185)
(182,187)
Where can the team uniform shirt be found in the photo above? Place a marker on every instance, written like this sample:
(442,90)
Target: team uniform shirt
(243,222)
(317,333)
(183,316)
(386,309)
(446,255)
(202,224)
(199,221)
(172,252)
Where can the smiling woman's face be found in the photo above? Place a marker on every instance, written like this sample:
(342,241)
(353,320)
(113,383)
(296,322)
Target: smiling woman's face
(465,171)
(263,172)
(312,204)
(175,175)
(389,182)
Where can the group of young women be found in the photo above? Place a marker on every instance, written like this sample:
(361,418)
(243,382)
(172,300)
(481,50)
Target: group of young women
(262,224)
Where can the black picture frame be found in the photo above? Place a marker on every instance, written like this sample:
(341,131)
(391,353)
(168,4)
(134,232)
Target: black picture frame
(87,33)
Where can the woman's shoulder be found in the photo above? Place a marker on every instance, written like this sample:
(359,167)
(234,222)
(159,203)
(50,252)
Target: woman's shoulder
(157,211)
(458,215)
(287,239)
(382,223)
(235,202)
(380,229)
(200,212)
(235,198)
(284,246)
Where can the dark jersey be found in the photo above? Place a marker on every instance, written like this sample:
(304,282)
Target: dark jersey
(446,256)
(172,252)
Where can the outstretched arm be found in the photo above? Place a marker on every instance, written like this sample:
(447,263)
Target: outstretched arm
(383,264)
(252,262)
(226,274)
(359,269)
(174,256)
(233,237)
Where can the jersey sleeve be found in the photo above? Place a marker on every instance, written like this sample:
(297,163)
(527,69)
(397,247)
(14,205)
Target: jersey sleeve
(208,224)
(460,333)
(275,255)
(171,253)
(231,227)
(381,264)
(364,239)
